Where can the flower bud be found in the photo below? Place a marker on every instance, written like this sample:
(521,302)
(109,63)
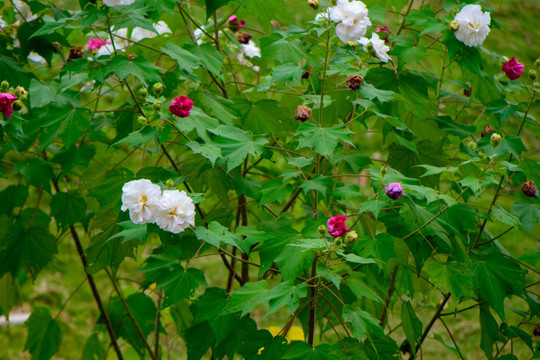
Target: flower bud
(157,89)
(303,113)
(24,96)
(487,129)
(383,170)
(243,37)
(394,191)
(170,184)
(17,105)
(467,91)
(354,81)
(454,25)
(142,121)
(233,23)
(532,74)
(306,73)
(314,4)
(537,63)
(528,188)
(4,86)
(472,145)
(496,139)
(19,90)
(351,237)
(143,92)
(75,53)
(338,242)
(322,230)
(157,106)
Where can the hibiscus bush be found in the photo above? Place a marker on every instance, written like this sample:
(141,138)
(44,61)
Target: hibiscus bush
(268,179)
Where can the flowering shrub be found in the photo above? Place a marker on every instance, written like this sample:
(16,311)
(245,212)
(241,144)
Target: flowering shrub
(338,180)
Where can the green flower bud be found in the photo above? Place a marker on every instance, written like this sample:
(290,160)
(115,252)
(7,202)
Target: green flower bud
(143,92)
(454,25)
(338,242)
(351,237)
(4,86)
(157,88)
(142,120)
(157,106)
(537,63)
(17,105)
(532,74)
(24,96)
(322,230)
(19,90)
(496,139)
(473,145)
(170,184)
(383,170)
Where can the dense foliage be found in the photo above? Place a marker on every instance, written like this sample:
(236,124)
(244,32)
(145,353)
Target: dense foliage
(373,192)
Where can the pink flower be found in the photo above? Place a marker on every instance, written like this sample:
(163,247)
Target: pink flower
(513,69)
(336,225)
(181,106)
(6,100)
(234,25)
(394,191)
(385,30)
(96,44)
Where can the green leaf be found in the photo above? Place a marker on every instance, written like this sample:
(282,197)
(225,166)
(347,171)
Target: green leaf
(293,260)
(93,350)
(361,322)
(140,67)
(496,277)
(373,206)
(454,277)
(382,247)
(218,107)
(274,191)
(186,60)
(213,5)
(210,304)
(67,208)
(9,293)
(237,144)
(216,234)
(489,331)
(321,184)
(286,293)
(210,57)
(412,326)
(139,137)
(407,50)
(303,351)
(358,259)
(322,140)
(199,338)
(32,248)
(528,214)
(323,270)
(130,231)
(287,72)
(247,297)
(368,91)
(263,116)
(179,283)
(209,151)
(501,215)
(360,289)
(44,335)
(11,197)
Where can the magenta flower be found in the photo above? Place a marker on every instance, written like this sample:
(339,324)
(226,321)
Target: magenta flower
(96,44)
(181,106)
(385,30)
(233,23)
(336,225)
(6,100)
(394,191)
(513,69)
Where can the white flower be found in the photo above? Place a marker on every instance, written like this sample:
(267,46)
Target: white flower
(23,11)
(251,50)
(321,16)
(352,18)
(35,57)
(120,43)
(378,45)
(139,33)
(2,23)
(198,34)
(113,3)
(176,211)
(142,199)
(473,25)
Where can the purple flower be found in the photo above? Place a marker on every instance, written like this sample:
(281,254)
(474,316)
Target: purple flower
(513,69)
(336,225)
(181,106)
(394,191)
(6,100)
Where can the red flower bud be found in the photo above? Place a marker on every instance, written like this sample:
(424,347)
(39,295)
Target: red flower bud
(513,69)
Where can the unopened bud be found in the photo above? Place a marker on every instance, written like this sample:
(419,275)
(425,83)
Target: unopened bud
(75,52)
(142,121)
(303,113)
(170,184)
(143,92)
(351,237)
(338,241)
(472,145)
(529,188)
(354,81)
(314,4)
(487,129)
(306,73)
(19,90)
(24,96)
(496,139)
(537,63)
(4,86)
(157,106)
(157,89)
(243,37)
(532,74)
(467,92)
(383,170)
(454,25)
(322,230)
(17,105)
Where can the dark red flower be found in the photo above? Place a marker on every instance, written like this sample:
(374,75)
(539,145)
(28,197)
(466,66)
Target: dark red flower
(6,100)
(181,106)
(336,225)
(513,69)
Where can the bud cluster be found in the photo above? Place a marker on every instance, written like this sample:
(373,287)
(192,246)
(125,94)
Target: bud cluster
(11,99)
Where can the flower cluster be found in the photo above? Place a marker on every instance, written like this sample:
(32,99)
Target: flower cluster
(352,18)
(171,210)
(471,25)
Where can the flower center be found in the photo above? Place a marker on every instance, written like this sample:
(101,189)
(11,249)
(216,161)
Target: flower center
(144,199)
(473,25)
